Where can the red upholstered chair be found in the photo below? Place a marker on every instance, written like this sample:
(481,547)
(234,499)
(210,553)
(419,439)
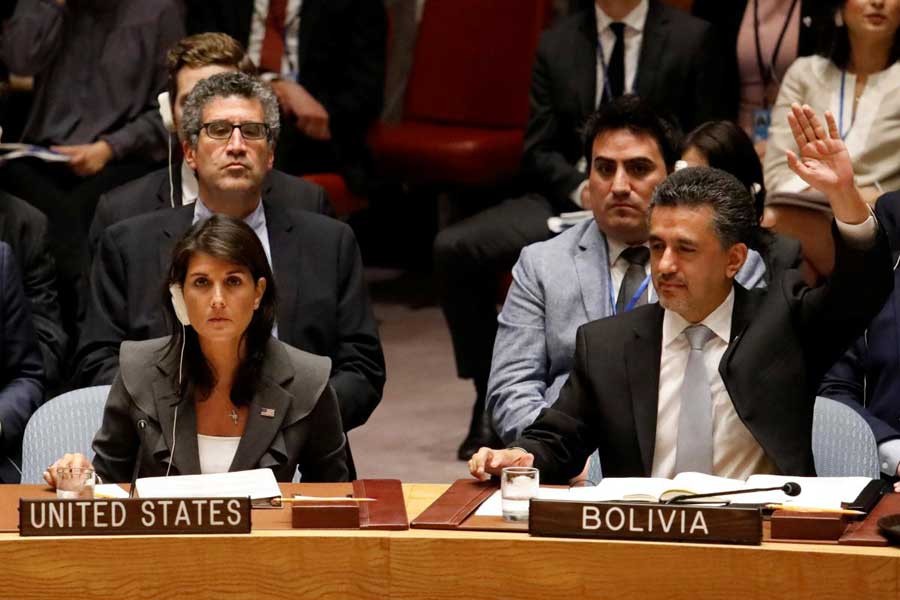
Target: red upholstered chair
(344,201)
(466,102)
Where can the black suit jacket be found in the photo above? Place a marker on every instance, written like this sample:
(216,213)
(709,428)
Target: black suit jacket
(21,373)
(340,61)
(866,378)
(887,210)
(783,340)
(151,192)
(725,17)
(678,72)
(24,228)
(323,305)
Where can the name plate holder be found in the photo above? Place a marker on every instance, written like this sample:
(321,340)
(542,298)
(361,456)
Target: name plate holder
(645,521)
(134,516)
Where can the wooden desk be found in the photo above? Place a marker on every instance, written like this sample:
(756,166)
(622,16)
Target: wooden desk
(420,564)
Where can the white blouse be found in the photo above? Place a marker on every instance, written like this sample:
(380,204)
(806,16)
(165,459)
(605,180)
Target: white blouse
(216,452)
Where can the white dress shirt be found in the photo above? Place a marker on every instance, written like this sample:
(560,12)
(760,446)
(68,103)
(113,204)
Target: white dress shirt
(291,34)
(190,188)
(736,453)
(216,452)
(634,36)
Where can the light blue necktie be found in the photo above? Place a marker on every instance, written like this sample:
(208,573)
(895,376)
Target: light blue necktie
(695,421)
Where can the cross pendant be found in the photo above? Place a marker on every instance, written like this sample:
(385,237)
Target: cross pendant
(234,416)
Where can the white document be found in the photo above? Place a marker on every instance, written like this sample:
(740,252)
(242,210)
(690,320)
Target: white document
(815,492)
(258,484)
(109,490)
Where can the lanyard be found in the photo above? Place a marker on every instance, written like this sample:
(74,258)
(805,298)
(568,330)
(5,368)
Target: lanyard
(841,131)
(601,57)
(634,299)
(767,73)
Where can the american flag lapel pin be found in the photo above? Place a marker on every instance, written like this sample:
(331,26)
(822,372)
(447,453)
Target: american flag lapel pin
(267,412)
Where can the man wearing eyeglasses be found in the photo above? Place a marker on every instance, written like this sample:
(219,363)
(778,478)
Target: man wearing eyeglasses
(228,129)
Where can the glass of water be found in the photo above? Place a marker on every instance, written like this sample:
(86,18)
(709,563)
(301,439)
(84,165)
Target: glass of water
(518,485)
(75,483)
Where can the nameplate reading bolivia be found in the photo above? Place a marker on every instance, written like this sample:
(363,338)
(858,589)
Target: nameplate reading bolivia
(134,516)
(641,521)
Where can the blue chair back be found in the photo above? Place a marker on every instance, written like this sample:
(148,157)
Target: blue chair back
(843,444)
(64,424)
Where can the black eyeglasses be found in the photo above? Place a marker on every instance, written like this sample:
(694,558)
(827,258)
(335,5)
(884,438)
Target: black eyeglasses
(222,130)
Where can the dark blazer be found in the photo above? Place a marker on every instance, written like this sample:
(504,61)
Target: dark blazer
(304,432)
(726,16)
(867,377)
(887,211)
(340,61)
(151,192)
(782,342)
(22,376)
(678,72)
(323,305)
(24,228)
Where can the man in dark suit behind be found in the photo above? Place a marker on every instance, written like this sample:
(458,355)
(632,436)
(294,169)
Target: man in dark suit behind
(714,379)
(24,228)
(665,56)
(229,127)
(326,60)
(21,373)
(190,60)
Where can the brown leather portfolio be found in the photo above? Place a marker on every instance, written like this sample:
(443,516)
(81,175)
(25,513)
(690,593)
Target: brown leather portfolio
(389,509)
(865,532)
(456,504)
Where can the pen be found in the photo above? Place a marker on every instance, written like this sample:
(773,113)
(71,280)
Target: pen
(810,509)
(327,499)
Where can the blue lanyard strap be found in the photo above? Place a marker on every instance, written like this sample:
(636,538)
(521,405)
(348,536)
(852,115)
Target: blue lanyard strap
(601,56)
(634,299)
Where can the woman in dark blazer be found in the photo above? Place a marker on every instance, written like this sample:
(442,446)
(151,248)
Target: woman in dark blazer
(219,394)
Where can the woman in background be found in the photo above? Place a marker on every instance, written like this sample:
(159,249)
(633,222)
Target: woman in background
(724,145)
(761,38)
(859,83)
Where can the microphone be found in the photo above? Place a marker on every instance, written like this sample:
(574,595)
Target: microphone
(791,488)
(141,425)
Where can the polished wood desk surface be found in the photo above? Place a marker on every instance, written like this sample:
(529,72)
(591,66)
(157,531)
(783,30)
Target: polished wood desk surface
(421,564)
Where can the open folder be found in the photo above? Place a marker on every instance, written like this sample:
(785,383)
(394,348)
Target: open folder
(816,492)
(259,484)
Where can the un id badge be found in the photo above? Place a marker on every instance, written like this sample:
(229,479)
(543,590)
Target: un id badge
(762,119)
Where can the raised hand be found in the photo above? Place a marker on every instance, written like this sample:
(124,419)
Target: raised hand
(824,162)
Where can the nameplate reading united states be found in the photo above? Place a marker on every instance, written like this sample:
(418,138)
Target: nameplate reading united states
(645,521)
(134,516)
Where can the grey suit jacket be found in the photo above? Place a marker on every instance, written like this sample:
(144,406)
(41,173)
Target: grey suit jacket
(558,286)
(304,432)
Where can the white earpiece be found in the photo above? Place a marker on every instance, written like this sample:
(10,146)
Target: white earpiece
(179,305)
(165,111)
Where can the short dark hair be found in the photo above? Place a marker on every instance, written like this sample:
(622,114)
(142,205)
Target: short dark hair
(734,219)
(637,116)
(231,240)
(834,40)
(727,146)
(225,85)
(204,50)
